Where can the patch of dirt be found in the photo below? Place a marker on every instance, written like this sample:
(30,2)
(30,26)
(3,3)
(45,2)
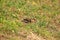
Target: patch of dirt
(28,35)
(3,37)
(1,25)
(32,36)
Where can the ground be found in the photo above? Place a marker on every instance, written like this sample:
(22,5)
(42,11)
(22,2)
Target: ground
(44,16)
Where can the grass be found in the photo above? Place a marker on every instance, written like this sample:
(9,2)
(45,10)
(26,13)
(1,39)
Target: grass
(46,13)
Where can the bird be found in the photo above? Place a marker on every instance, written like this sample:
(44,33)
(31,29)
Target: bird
(28,20)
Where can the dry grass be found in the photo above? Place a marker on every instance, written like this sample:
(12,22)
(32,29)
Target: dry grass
(45,12)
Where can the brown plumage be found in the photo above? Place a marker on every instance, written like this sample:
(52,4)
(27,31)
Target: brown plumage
(27,20)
